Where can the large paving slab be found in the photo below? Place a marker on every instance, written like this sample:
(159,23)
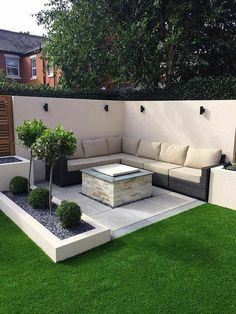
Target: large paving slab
(128,218)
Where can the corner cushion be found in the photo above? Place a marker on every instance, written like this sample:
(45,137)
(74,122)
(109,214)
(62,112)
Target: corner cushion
(114,144)
(130,145)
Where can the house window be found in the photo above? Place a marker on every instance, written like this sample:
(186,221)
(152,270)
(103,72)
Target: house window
(12,66)
(33,67)
(50,70)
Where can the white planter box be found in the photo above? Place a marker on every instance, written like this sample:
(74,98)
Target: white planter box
(56,249)
(13,169)
(223,187)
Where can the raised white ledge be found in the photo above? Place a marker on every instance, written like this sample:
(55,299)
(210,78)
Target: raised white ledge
(56,249)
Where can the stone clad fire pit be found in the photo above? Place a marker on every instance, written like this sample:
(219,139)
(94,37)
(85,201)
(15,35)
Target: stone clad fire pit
(116,184)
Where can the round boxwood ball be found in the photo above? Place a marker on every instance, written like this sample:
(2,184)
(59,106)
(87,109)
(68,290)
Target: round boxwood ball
(69,214)
(18,185)
(39,198)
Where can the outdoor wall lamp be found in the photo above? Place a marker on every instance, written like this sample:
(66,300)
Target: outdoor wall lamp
(202,109)
(142,109)
(45,107)
(106,108)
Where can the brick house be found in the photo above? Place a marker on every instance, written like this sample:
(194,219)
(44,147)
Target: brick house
(21,59)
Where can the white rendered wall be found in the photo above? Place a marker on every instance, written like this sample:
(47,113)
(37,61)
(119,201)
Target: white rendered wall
(180,122)
(13,169)
(86,118)
(222,188)
(171,121)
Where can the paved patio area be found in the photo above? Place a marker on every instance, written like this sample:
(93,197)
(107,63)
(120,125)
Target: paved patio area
(131,217)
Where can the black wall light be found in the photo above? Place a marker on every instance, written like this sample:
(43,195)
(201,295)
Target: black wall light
(202,109)
(106,108)
(142,109)
(45,107)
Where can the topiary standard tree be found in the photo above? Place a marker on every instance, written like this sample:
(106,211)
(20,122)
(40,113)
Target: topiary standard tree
(52,146)
(28,133)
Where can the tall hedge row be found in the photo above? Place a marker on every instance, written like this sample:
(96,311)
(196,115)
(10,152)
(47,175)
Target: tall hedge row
(220,87)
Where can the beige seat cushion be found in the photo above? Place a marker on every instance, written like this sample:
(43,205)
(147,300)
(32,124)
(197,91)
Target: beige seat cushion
(79,153)
(173,153)
(114,144)
(130,145)
(160,167)
(94,148)
(202,157)
(187,174)
(149,150)
(134,161)
(78,164)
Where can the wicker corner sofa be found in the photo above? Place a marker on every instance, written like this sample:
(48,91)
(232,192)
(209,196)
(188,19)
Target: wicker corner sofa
(178,168)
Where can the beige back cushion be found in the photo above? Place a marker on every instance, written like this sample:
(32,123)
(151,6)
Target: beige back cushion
(94,148)
(172,153)
(114,144)
(79,153)
(130,145)
(149,150)
(202,157)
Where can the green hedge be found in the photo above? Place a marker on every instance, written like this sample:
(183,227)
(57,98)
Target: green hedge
(220,87)
(199,88)
(17,89)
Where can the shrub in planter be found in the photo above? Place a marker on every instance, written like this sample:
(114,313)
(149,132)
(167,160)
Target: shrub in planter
(18,185)
(38,198)
(69,214)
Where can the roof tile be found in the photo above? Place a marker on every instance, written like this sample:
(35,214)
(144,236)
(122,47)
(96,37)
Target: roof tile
(19,43)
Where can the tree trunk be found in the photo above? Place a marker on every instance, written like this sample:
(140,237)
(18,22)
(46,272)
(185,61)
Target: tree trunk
(50,188)
(30,168)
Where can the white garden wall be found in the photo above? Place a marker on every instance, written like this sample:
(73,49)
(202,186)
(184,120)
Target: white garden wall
(172,121)
(180,122)
(87,118)
(13,169)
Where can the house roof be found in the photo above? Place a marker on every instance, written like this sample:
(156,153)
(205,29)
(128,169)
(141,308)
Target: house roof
(19,43)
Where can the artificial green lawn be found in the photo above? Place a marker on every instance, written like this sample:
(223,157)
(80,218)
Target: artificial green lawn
(185,264)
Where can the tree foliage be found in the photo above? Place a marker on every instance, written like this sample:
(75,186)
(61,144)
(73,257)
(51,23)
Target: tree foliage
(27,134)
(139,41)
(55,144)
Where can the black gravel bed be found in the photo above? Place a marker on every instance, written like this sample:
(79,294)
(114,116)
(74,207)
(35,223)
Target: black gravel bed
(8,160)
(51,222)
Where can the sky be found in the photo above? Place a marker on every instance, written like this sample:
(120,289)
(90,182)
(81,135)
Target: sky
(16,15)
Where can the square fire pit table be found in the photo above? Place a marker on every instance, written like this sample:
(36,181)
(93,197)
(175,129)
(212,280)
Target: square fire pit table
(116,184)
